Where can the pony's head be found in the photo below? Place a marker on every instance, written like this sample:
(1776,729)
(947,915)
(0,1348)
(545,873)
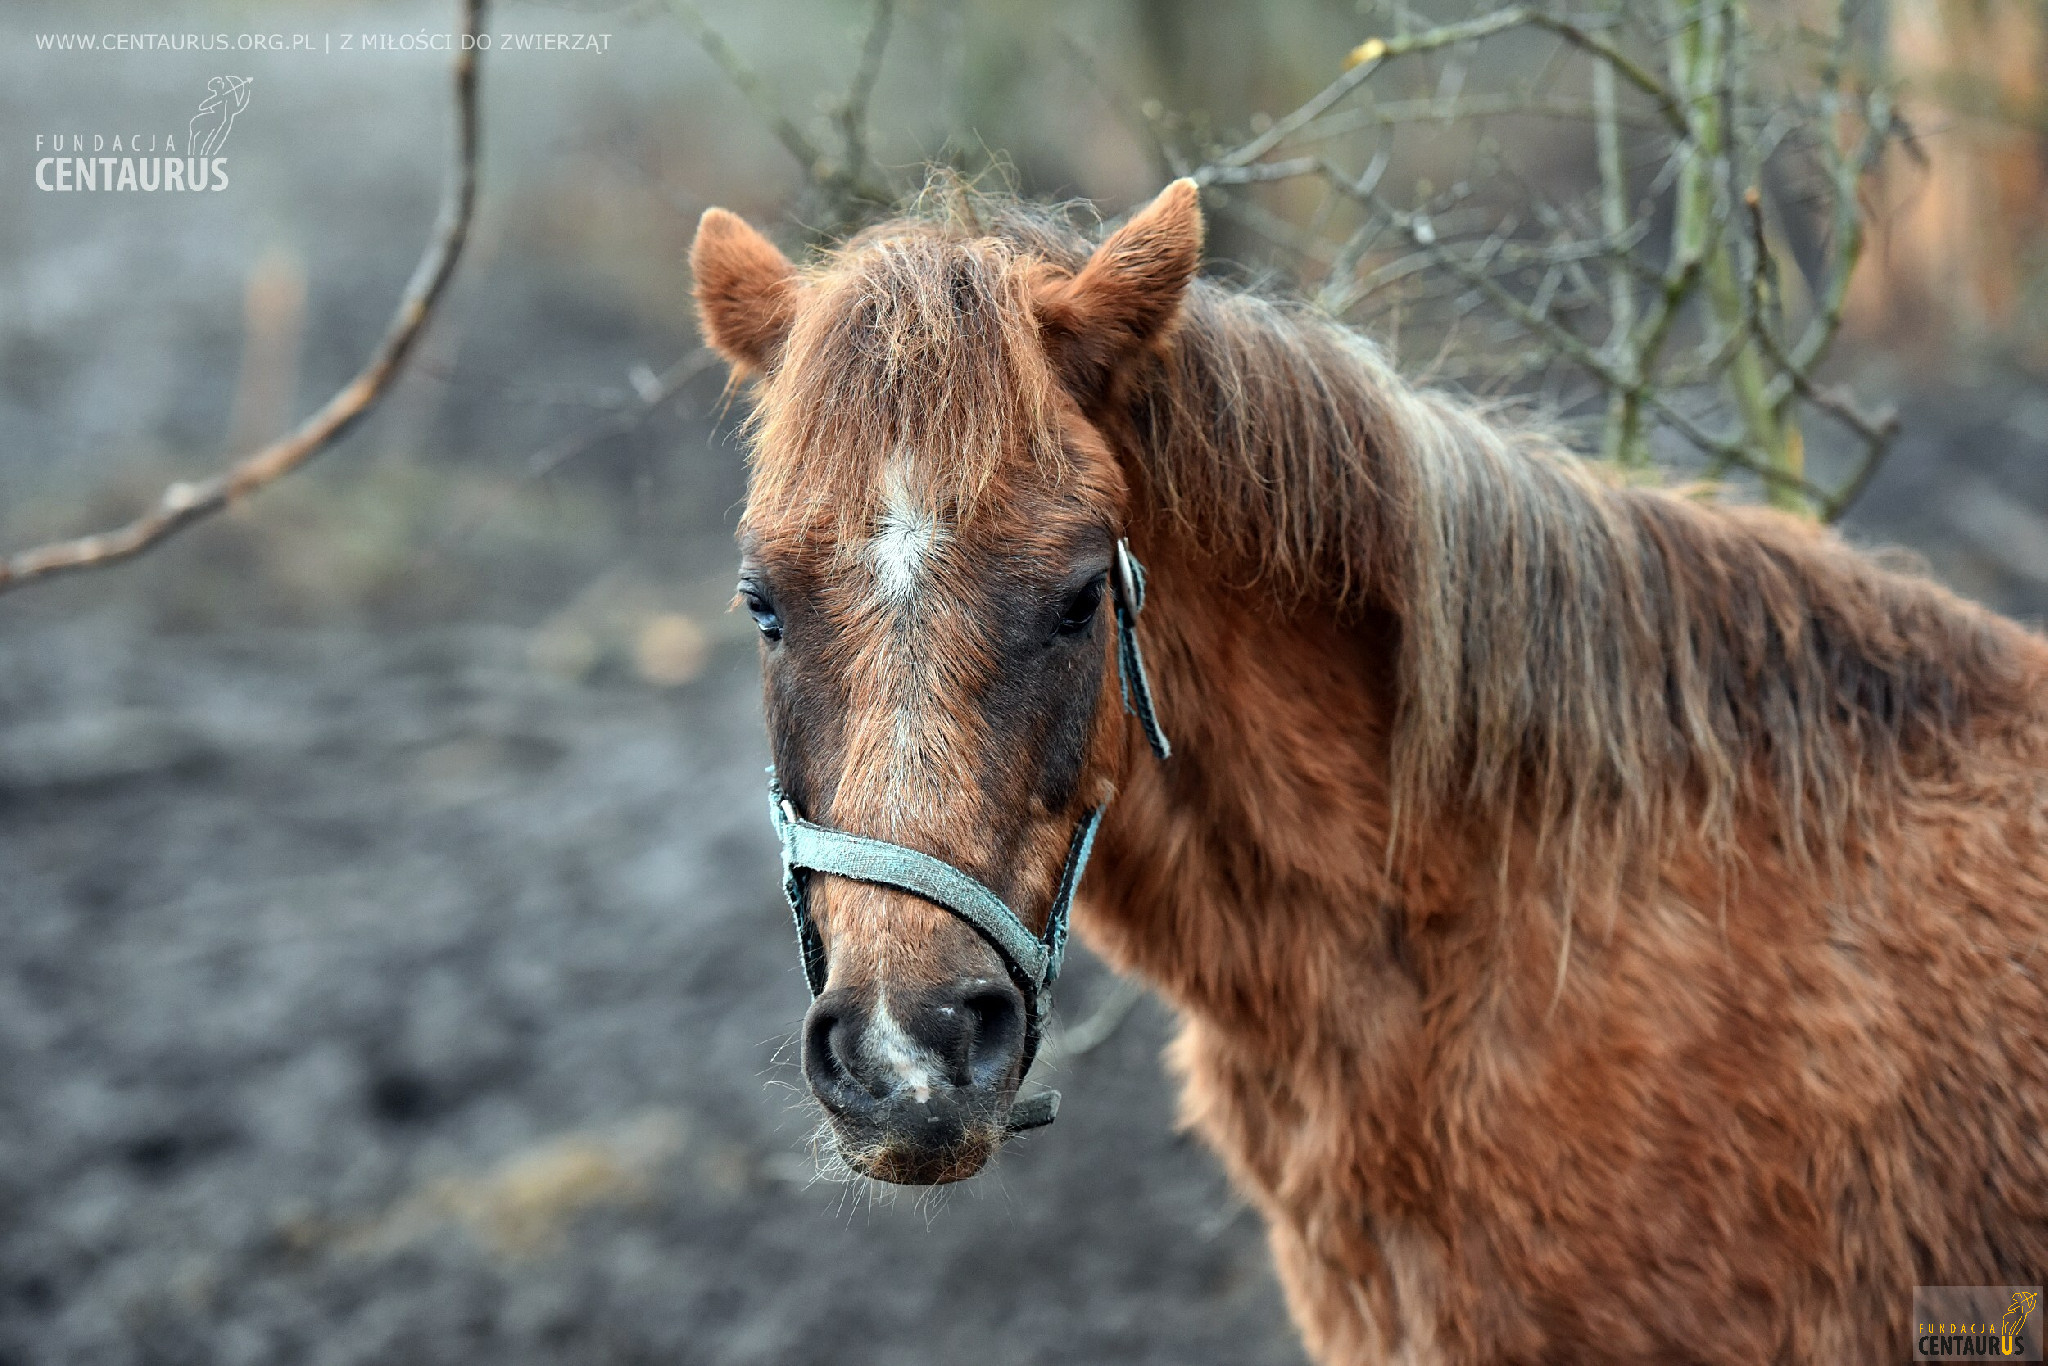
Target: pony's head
(927,548)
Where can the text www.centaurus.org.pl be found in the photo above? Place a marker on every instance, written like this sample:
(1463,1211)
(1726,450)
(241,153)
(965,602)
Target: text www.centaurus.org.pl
(418,40)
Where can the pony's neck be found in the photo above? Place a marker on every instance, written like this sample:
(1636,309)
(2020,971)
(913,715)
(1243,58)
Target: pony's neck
(1258,850)
(1369,598)
(1270,481)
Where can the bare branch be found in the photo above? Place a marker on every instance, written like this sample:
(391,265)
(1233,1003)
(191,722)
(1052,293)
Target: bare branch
(847,183)
(1630,70)
(1417,228)
(1368,57)
(1394,113)
(650,392)
(853,110)
(1847,171)
(1339,287)
(1731,452)
(1618,439)
(1271,226)
(1876,432)
(1588,290)
(182,504)
(1260,171)
(794,140)
(1138,117)
(1569,345)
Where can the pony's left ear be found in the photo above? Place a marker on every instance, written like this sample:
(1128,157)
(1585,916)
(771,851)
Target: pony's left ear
(746,291)
(1096,322)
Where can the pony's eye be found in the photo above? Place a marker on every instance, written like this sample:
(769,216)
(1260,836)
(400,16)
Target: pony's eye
(1079,610)
(763,612)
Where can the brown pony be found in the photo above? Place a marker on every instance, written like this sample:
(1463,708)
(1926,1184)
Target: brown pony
(1605,926)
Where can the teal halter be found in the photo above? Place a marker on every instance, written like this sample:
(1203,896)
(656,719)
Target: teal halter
(1033,959)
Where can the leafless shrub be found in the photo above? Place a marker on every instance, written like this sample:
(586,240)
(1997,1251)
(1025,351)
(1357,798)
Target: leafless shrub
(1683,300)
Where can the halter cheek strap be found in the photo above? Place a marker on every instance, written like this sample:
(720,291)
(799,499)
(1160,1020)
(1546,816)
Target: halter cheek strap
(1033,960)
(1128,581)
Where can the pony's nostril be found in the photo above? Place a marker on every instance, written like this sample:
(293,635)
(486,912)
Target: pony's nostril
(831,1036)
(996,1033)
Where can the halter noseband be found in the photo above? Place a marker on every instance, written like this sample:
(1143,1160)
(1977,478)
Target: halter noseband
(1033,959)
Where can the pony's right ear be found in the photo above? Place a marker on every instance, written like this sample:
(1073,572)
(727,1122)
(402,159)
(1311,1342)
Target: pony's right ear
(1126,297)
(746,291)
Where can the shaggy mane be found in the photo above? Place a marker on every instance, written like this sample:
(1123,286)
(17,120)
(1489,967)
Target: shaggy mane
(1608,666)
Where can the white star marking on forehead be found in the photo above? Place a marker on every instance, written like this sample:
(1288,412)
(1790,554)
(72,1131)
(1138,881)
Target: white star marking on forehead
(902,546)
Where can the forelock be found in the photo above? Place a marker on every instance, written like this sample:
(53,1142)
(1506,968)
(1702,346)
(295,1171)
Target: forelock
(915,351)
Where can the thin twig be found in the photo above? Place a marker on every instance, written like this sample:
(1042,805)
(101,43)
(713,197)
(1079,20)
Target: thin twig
(1846,172)
(1372,55)
(1397,113)
(1258,172)
(1339,286)
(182,503)
(1716,137)
(853,110)
(1636,74)
(648,397)
(1877,432)
(1133,114)
(750,84)
(846,184)
(1617,441)
(1571,347)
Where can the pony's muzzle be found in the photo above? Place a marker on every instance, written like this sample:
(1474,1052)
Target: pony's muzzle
(916,1082)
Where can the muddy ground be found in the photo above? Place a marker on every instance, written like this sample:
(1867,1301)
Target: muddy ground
(380,999)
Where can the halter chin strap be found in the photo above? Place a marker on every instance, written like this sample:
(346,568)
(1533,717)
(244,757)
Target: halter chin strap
(1033,960)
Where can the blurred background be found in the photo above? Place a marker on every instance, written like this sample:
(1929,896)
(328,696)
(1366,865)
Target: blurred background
(392,966)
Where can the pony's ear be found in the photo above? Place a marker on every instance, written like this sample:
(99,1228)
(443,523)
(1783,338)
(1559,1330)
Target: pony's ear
(1096,322)
(746,290)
